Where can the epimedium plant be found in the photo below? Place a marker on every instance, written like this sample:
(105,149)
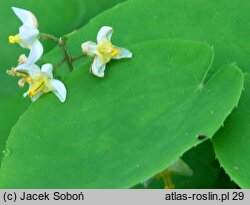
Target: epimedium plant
(41,80)
(169,95)
(10,97)
(78,13)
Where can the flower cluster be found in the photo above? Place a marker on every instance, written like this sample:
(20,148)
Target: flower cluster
(41,80)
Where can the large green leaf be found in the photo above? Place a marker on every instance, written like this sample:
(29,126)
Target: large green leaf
(94,7)
(225,24)
(232,142)
(120,130)
(49,13)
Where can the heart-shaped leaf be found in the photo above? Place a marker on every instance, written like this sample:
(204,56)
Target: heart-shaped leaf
(225,24)
(118,131)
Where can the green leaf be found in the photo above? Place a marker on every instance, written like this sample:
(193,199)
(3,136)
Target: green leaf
(118,131)
(94,7)
(225,24)
(232,142)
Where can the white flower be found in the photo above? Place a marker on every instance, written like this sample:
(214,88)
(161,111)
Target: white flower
(40,80)
(28,36)
(103,51)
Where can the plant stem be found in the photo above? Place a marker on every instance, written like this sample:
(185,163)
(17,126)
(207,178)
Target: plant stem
(46,36)
(67,56)
(63,46)
(77,58)
(58,65)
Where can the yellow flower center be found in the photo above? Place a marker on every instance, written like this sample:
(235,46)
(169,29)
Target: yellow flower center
(38,84)
(15,39)
(107,51)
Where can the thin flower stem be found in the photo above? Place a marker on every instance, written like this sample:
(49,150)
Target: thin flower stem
(77,57)
(63,46)
(58,65)
(46,36)
(67,56)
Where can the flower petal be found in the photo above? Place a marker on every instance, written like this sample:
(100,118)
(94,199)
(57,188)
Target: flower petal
(104,33)
(28,35)
(36,51)
(123,53)
(32,70)
(89,48)
(34,98)
(47,68)
(22,67)
(98,67)
(181,168)
(147,182)
(25,94)
(27,17)
(22,59)
(58,88)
